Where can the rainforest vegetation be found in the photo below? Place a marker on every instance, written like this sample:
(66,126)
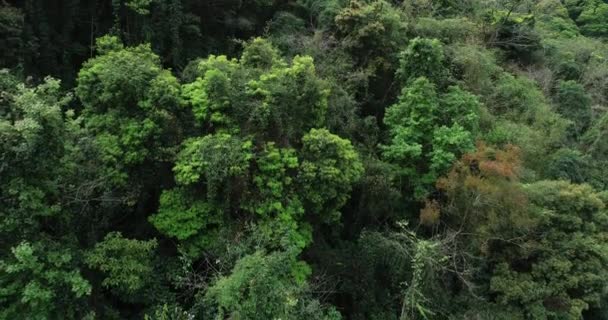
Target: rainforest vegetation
(304,159)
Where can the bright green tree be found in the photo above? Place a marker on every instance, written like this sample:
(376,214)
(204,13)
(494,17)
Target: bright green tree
(191,220)
(428,133)
(213,95)
(276,201)
(260,94)
(218,164)
(212,160)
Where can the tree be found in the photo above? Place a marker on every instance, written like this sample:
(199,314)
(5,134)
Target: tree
(125,263)
(462,108)
(213,160)
(422,58)
(574,104)
(517,96)
(425,135)
(485,199)
(514,33)
(213,95)
(450,30)
(130,105)
(266,286)
(11,28)
(473,65)
(409,120)
(276,201)
(260,94)
(42,281)
(274,180)
(593,18)
(190,220)
(331,162)
(32,138)
(289,100)
(372,31)
(594,140)
(260,54)
(219,165)
(165,312)
(561,273)
(534,234)
(570,165)
(595,148)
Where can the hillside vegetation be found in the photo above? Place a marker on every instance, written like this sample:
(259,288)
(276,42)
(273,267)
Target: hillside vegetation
(304,159)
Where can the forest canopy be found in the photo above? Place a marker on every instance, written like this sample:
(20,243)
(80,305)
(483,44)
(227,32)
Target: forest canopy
(304,159)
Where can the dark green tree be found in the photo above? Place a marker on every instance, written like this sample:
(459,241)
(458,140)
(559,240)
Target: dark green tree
(422,58)
(573,103)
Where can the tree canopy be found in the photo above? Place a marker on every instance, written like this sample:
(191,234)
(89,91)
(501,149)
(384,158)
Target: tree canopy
(304,159)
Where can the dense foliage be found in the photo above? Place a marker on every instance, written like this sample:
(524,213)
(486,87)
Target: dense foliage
(304,159)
